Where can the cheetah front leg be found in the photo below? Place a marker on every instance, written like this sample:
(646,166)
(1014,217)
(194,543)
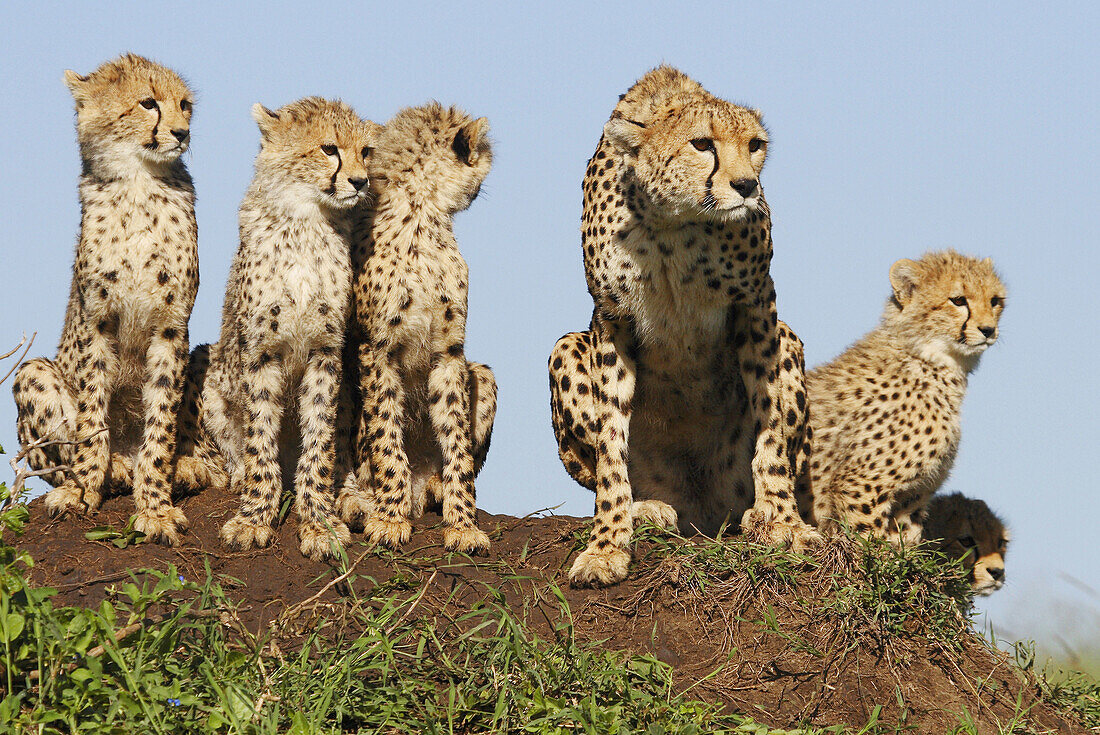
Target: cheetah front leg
(387,463)
(262,412)
(83,491)
(449,409)
(166,360)
(772,369)
(606,560)
(320,532)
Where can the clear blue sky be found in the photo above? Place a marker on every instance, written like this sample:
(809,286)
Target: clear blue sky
(969,125)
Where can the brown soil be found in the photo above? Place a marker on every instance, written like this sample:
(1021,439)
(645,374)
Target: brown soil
(807,666)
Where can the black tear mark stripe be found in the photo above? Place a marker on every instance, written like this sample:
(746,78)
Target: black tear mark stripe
(962,332)
(152,144)
(709,198)
(339,165)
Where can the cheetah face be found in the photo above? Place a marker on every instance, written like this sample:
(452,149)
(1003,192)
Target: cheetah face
(439,155)
(318,149)
(699,161)
(132,108)
(949,304)
(982,547)
(967,529)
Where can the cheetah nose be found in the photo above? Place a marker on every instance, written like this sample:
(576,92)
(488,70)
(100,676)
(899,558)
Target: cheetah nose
(988,331)
(744,187)
(181,135)
(998,573)
(358,183)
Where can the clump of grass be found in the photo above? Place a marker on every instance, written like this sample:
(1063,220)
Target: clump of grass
(876,588)
(1073,691)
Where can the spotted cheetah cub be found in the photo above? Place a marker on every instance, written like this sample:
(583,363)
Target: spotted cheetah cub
(965,528)
(685,402)
(270,393)
(886,412)
(427,412)
(115,385)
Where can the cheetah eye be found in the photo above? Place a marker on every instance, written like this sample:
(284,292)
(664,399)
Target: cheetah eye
(959,300)
(366,151)
(996,301)
(329,149)
(755,144)
(149,103)
(185,105)
(702,144)
(968,542)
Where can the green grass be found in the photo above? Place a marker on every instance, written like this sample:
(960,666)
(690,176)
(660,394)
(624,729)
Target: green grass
(388,660)
(186,665)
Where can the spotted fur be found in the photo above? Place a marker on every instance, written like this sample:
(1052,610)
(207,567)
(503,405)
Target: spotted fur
(885,413)
(270,395)
(684,403)
(427,413)
(115,386)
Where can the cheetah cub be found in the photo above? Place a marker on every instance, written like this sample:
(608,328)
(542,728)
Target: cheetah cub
(270,393)
(965,528)
(115,386)
(427,412)
(885,414)
(685,402)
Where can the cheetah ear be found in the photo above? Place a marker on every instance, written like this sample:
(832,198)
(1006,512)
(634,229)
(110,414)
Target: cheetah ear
(77,84)
(624,135)
(903,278)
(987,261)
(265,118)
(470,141)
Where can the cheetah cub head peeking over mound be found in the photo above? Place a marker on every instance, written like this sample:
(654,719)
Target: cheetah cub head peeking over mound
(131,111)
(945,307)
(965,528)
(300,159)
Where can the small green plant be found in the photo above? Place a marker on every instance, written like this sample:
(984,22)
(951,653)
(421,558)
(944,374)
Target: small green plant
(128,536)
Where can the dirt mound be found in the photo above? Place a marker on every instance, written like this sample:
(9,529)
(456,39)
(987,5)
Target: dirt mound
(741,625)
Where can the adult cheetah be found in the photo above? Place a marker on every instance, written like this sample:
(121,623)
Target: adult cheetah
(271,391)
(684,403)
(427,413)
(885,413)
(114,389)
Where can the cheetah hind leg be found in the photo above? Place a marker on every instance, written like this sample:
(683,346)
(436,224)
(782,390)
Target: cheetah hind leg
(657,512)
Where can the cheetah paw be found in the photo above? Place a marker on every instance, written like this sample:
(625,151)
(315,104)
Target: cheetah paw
(70,499)
(466,539)
(657,512)
(195,475)
(386,532)
(798,536)
(598,568)
(242,534)
(319,542)
(163,526)
(354,507)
